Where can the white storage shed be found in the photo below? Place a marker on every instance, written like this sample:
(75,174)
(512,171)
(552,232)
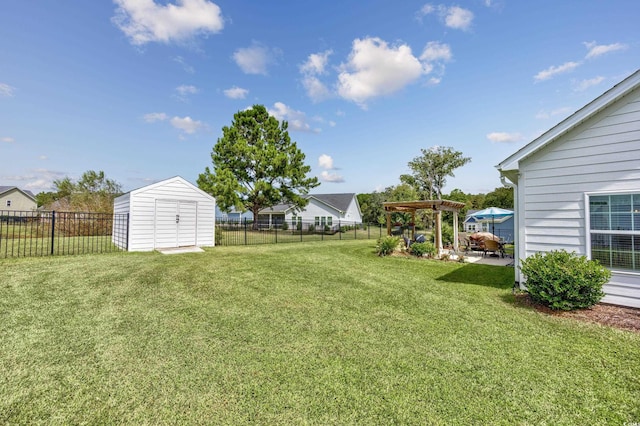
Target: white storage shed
(167,214)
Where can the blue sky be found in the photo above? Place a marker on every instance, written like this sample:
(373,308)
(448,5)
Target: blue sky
(141,89)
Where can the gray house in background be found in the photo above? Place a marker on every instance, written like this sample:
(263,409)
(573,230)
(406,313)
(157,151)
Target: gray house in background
(577,187)
(13,198)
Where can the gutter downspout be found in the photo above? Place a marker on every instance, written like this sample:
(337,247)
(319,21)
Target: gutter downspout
(516,232)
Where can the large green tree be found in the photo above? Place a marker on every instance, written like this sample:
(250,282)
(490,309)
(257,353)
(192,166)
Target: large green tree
(256,165)
(430,170)
(500,197)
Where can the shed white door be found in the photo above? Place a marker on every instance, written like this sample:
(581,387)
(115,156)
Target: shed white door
(175,223)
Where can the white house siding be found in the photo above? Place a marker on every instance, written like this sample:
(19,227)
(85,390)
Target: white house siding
(601,154)
(142,212)
(353,213)
(316,208)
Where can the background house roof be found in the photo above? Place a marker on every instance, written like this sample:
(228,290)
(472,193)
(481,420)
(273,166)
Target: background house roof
(26,192)
(339,202)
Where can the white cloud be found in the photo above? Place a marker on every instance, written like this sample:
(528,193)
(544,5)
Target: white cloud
(314,66)
(325,161)
(596,50)
(42,157)
(7,139)
(582,85)
(254,59)
(183,92)
(186,90)
(316,63)
(375,69)
(6,90)
(458,18)
(236,93)
(144,21)
(36,180)
(155,116)
(552,71)
(186,67)
(332,123)
(435,51)
(504,137)
(186,124)
(325,176)
(297,119)
(453,17)
(316,90)
(543,115)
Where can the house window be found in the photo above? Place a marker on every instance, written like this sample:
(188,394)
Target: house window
(323,221)
(317,220)
(8,203)
(615,230)
(330,221)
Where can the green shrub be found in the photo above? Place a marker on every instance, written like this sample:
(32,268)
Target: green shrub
(285,226)
(565,281)
(218,235)
(311,229)
(386,245)
(422,249)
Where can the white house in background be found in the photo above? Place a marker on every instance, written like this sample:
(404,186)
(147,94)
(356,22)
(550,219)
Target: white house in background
(471,224)
(322,210)
(13,198)
(577,187)
(233,215)
(167,214)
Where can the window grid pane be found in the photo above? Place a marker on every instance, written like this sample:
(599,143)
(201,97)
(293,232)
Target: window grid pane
(611,213)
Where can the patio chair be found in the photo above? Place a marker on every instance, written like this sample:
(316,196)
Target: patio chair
(491,246)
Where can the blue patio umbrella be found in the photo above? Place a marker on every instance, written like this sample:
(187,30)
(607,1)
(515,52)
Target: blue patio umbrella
(492,213)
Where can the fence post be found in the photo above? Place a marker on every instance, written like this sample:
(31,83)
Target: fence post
(355,231)
(276,228)
(339,230)
(53,229)
(245,231)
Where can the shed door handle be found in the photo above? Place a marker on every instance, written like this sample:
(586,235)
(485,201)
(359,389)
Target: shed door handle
(177,218)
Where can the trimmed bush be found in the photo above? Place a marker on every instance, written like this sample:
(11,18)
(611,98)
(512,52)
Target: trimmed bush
(422,249)
(386,245)
(285,226)
(564,281)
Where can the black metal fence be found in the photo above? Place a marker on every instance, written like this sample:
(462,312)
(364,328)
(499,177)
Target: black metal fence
(34,233)
(246,232)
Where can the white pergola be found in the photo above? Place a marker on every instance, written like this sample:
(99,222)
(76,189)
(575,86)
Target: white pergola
(437,206)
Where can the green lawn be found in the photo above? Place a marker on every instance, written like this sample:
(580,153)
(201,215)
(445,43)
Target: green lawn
(308,333)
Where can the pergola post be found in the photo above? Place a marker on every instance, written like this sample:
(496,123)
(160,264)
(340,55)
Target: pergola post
(413,227)
(455,231)
(389,223)
(438,231)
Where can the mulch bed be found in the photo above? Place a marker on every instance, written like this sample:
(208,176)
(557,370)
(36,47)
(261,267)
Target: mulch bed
(610,315)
